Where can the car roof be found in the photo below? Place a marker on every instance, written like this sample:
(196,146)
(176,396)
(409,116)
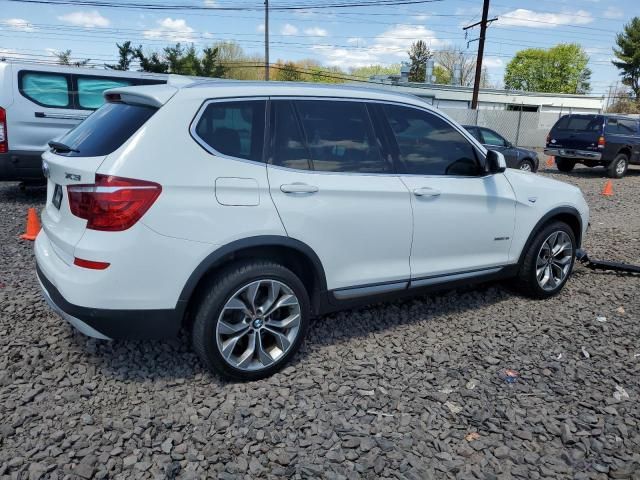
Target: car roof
(212,89)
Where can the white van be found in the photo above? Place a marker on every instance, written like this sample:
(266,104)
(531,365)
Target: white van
(41,102)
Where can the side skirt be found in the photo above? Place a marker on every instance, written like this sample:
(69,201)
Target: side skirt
(348,298)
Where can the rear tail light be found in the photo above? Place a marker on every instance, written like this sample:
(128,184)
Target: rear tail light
(4,139)
(601,141)
(112,204)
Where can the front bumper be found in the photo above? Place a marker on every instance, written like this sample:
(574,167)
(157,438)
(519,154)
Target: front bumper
(108,324)
(574,154)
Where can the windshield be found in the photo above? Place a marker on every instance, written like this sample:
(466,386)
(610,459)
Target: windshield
(105,130)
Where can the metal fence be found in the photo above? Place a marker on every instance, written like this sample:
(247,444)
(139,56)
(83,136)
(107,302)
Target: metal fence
(525,129)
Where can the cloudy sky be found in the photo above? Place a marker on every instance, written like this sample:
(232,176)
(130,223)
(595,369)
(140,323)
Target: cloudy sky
(346,37)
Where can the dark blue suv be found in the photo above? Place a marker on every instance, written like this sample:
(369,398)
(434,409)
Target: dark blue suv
(612,141)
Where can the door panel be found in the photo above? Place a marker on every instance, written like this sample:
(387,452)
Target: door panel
(463,219)
(335,191)
(468,225)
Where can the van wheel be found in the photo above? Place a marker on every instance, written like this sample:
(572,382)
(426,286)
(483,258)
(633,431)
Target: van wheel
(618,167)
(548,262)
(564,164)
(251,320)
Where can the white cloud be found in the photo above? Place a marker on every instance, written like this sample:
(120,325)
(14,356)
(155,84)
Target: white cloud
(88,19)
(19,24)
(210,3)
(492,62)
(288,29)
(528,18)
(315,32)
(389,47)
(173,30)
(613,12)
(356,40)
(260,28)
(420,18)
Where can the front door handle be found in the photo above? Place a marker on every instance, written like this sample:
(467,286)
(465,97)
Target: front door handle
(426,192)
(298,188)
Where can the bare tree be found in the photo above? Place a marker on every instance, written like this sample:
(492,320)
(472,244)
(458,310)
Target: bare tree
(452,56)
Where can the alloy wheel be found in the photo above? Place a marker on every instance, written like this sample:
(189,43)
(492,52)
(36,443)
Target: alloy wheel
(621,167)
(554,260)
(258,325)
(525,167)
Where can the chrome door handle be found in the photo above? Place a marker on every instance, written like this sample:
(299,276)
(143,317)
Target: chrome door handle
(298,188)
(426,192)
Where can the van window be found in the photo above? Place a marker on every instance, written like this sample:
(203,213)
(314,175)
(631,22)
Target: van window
(105,130)
(46,89)
(428,145)
(340,137)
(235,129)
(90,90)
(591,123)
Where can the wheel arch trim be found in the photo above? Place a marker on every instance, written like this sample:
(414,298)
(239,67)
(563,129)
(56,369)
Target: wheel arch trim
(558,211)
(238,245)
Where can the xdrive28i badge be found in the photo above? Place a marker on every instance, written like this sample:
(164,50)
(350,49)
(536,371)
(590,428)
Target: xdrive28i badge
(72,176)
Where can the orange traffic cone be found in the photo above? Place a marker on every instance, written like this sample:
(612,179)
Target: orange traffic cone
(607,191)
(550,162)
(33,225)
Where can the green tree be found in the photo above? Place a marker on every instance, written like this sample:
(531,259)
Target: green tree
(371,70)
(210,64)
(64,58)
(628,55)
(560,69)
(126,53)
(182,60)
(419,53)
(288,72)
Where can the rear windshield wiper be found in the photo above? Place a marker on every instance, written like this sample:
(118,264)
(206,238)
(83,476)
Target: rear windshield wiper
(62,147)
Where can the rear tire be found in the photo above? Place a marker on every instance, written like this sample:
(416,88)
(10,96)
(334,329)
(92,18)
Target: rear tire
(239,331)
(564,164)
(618,168)
(548,262)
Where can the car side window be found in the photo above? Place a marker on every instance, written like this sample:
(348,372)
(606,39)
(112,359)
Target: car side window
(476,133)
(621,126)
(339,137)
(288,146)
(428,145)
(46,89)
(90,90)
(492,138)
(234,128)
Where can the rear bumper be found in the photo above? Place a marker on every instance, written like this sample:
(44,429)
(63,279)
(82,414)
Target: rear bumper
(21,165)
(573,154)
(112,324)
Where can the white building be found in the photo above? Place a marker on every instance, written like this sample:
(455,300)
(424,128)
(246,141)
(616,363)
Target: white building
(451,96)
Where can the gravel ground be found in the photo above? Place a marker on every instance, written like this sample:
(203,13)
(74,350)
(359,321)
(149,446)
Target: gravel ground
(413,389)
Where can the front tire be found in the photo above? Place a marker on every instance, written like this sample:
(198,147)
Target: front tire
(548,262)
(564,164)
(251,320)
(618,167)
(526,166)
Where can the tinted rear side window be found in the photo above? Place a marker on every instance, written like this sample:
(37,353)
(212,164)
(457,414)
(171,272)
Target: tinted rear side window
(106,129)
(621,126)
(591,123)
(340,137)
(289,148)
(46,89)
(235,129)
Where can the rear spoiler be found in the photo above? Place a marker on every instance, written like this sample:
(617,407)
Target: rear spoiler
(150,95)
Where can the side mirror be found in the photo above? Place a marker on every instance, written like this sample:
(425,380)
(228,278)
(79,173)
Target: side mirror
(496,162)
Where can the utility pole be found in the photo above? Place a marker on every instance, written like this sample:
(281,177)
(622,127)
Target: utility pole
(483,30)
(266,40)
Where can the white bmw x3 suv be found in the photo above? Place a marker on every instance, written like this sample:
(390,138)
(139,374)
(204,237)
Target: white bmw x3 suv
(240,210)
